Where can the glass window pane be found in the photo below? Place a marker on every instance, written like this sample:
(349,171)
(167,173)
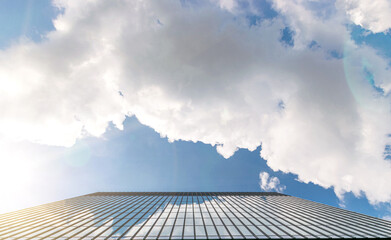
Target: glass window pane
(177,231)
(132,231)
(170,221)
(233,231)
(222,231)
(211,230)
(189,221)
(266,230)
(198,221)
(180,221)
(160,221)
(208,221)
(143,231)
(256,231)
(155,230)
(217,221)
(189,231)
(166,231)
(227,221)
(200,231)
(244,230)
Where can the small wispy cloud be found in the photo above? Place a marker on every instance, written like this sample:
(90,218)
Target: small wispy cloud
(268,183)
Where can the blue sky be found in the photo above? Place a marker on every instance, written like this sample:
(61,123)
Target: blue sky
(161,148)
(138,159)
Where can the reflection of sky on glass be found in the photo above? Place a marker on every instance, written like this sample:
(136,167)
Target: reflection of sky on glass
(121,160)
(159,214)
(179,216)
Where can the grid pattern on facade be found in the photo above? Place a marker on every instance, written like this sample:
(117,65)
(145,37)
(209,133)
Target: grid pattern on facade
(188,216)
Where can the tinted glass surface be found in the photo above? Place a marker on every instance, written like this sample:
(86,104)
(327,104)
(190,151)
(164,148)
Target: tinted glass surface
(188,216)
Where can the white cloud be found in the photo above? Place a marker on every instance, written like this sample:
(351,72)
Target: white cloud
(387,218)
(58,90)
(199,73)
(229,5)
(312,20)
(268,183)
(372,15)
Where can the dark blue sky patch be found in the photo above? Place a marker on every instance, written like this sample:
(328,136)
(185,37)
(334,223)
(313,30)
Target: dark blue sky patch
(253,20)
(370,78)
(281,105)
(335,54)
(287,36)
(379,41)
(387,153)
(314,45)
(264,9)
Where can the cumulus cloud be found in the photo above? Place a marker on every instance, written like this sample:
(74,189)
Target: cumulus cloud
(372,15)
(268,183)
(198,72)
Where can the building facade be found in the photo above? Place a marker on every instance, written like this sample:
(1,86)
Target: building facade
(189,215)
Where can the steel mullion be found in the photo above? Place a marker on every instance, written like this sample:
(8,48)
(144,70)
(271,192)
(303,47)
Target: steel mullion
(277,215)
(239,218)
(134,200)
(136,211)
(75,221)
(192,206)
(41,215)
(219,214)
(223,197)
(239,203)
(164,224)
(153,198)
(343,214)
(305,213)
(336,222)
(252,215)
(291,217)
(184,220)
(255,202)
(289,206)
(34,208)
(176,216)
(138,199)
(204,196)
(157,219)
(131,200)
(47,216)
(45,220)
(202,216)
(336,211)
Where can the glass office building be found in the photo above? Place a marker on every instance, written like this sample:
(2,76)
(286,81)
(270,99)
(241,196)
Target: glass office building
(189,215)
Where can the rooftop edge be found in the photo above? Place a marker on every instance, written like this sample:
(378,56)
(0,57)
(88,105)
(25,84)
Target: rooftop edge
(186,194)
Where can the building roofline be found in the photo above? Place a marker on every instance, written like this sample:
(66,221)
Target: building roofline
(186,194)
